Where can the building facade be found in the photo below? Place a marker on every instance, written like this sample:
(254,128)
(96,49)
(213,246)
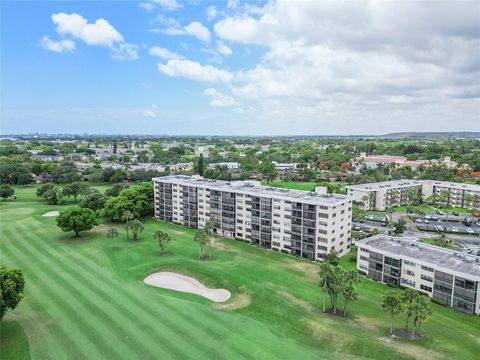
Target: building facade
(381,195)
(306,224)
(450,277)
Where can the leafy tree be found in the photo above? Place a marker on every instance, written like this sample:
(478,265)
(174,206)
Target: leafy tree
(358,235)
(53,196)
(115,190)
(74,189)
(163,239)
(138,199)
(399,227)
(112,234)
(268,170)
(12,284)
(201,165)
(6,191)
(332,257)
(76,219)
(136,227)
(94,201)
(43,189)
(392,304)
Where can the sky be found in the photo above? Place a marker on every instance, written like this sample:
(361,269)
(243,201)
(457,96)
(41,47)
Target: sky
(279,67)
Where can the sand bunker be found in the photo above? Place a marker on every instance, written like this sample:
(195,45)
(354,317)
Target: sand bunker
(178,282)
(51,214)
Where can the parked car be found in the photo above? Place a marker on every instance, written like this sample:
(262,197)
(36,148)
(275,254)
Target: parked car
(448,229)
(433,218)
(469,230)
(440,228)
(454,229)
(467,222)
(455,213)
(439,212)
(426,221)
(410,211)
(418,220)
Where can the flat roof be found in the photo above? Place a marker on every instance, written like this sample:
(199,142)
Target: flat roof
(454,185)
(393,184)
(411,248)
(252,188)
(407,183)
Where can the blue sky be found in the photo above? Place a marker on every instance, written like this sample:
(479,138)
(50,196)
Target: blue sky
(236,67)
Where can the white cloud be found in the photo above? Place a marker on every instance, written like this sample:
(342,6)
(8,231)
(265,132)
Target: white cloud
(218,99)
(223,49)
(147,6)
(164,53)
(198,30)
(340,60)
(195,29)
(232,4)
(125,51)
(195,71)
(211,13)
(99,33)
(168,4)
(61,46)
(150,114)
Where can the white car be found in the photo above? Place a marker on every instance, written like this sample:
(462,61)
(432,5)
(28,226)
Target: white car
(454,229)
(470,231)
(418,220)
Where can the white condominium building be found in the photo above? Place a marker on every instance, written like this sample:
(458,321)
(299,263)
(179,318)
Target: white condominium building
(381,195)
(450,277)
(306,224)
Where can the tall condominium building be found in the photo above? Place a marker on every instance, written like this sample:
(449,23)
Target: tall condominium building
(306,224)
(446,275)
(381,195)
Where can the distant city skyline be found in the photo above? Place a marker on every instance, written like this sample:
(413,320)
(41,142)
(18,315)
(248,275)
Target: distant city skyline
(172,67)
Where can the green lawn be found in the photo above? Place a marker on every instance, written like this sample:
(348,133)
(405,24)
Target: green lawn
(86,300)
(295,185)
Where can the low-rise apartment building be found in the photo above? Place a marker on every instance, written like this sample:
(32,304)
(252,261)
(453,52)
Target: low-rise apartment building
(306,224)
(448,276)
(381,195)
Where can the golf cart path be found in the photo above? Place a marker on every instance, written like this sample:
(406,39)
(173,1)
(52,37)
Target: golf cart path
(179,282)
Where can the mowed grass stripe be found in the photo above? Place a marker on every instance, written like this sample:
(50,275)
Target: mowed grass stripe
(147,329)
(42,333)
(100,313)
(201,322)
(40,289)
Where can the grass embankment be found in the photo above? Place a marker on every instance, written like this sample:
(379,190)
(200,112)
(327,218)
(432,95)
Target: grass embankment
(84,299)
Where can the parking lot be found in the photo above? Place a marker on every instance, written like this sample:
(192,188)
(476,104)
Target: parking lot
(434,224)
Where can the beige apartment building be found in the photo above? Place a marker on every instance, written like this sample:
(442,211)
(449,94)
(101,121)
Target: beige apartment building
(306,224)
(450,277)
(381,195)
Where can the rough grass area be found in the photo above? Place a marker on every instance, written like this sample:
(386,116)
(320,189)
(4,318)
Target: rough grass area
(84,299)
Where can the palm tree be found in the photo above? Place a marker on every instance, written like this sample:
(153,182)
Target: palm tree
(202,237)
(163,239)
(136,226)
(349,279)
(409,299)
(112,234)
(127,216)
(393,305)
(325,273)
(422,312)
(209,228)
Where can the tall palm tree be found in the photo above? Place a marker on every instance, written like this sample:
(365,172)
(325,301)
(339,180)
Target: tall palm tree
(325,273)
(393,305)
(201,236)
(163,239)
(127,216)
